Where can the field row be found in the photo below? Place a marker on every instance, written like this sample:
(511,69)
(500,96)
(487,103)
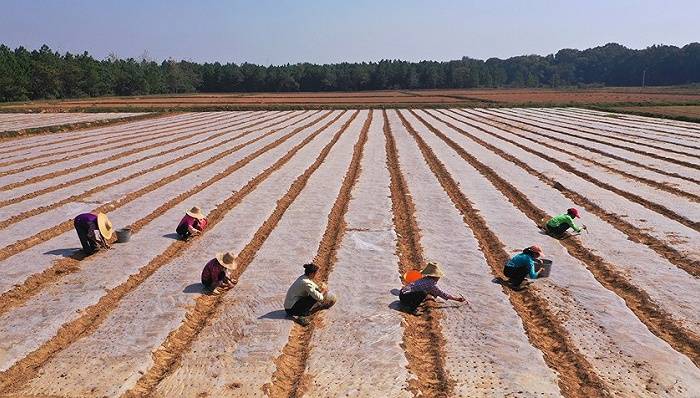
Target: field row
(366,195)
(23,121)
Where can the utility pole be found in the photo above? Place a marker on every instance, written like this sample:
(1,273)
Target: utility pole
(644,75)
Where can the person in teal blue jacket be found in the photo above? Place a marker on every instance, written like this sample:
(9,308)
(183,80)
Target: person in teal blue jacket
(522,265)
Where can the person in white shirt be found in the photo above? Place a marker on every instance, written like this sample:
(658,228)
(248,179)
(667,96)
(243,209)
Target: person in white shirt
(305,297)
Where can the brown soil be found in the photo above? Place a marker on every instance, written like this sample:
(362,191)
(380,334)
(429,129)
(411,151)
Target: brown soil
(471,97)
(657,320)
(583,96)
(423,341)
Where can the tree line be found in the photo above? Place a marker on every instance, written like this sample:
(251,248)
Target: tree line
(46,74)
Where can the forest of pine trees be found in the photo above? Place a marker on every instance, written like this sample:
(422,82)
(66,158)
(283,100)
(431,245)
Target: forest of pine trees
(45,74)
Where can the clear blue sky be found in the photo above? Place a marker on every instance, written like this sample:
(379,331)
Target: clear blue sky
(278,32)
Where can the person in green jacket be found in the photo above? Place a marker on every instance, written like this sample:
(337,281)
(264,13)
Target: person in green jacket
(558,225)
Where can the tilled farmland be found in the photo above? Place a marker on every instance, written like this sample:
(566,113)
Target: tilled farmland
(23,121)
(366,195)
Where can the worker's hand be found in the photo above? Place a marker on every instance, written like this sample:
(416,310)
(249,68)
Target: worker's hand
(461,299)
(323,287)
(584,227)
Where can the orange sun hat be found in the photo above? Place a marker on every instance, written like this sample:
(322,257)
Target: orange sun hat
(412,276)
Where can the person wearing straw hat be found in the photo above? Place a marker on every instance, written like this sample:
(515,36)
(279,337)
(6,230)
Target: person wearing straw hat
(522,265)
(193,223)
(304,296)
(558,225)
(217,272)
(413,294)
(94,231)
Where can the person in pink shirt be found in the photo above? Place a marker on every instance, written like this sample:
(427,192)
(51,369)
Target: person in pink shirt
(192,224)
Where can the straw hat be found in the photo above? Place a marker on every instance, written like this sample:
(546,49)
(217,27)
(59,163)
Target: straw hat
(195,212)
(227,260)
(535,249)
(104,225)
(433,269)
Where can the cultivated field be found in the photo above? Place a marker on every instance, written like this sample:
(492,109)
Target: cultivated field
(389,98)
(367,195)
(689,111)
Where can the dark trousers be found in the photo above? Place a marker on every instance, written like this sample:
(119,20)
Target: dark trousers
(302,307)
(183,232)
(516,275)
(89,245)
(412,300)
(557,231)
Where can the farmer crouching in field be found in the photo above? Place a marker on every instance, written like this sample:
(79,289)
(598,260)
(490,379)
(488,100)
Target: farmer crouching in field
(305,297)
(217,272)
(522,265)
(94,231)
(193,223)
(412,295)
(557,226)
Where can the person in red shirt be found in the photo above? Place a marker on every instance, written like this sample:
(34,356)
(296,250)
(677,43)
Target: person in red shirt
(218,270)
(192,224)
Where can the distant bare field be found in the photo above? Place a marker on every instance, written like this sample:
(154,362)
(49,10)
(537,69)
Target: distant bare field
(391,98)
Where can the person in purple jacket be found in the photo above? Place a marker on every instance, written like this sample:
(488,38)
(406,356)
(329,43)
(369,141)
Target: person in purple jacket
(94,231)
(412,295)
(217,272)
(192,224)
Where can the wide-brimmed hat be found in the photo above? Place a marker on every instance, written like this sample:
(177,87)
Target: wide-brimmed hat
(227,260)
(104,225)
(195,212)
(433,269)
(534,249)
